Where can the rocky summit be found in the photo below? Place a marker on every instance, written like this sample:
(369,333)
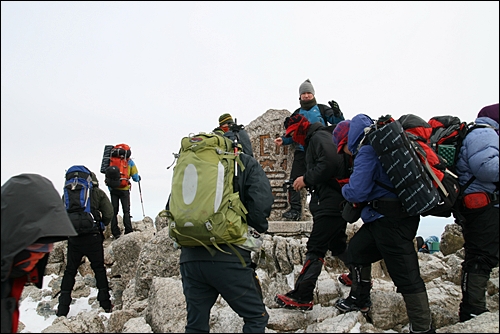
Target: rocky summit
(143,269)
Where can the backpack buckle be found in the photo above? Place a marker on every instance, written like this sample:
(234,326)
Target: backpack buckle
(208,225)
(172,225)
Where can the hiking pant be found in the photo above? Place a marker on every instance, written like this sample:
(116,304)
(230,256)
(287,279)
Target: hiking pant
(203,281)
(298,169)
(89,245)
(124,197)
(390,239)
(480,231)
(328,232)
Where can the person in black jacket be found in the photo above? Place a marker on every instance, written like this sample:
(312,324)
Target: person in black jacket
(313,112)
(28,234)
(89,245)
(324,167)
(205,276)
(228,128)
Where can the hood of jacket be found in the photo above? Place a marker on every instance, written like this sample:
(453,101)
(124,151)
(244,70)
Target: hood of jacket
(32,211)
(357,131)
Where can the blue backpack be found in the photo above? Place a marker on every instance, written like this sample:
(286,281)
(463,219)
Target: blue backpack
(77,193)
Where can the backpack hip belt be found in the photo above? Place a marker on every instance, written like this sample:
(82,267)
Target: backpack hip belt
(390,207)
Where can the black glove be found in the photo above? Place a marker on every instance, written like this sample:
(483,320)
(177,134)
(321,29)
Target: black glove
(335,108)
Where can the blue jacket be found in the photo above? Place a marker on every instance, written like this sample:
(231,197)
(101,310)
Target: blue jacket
(367,168)
(314,115)
(478,157)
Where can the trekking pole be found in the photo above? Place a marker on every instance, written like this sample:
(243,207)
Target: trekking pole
(140,194)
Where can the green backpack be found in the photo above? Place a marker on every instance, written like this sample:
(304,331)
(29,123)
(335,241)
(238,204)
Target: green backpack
(204,209)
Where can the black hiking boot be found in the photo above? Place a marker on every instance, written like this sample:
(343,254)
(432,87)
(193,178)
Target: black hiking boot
(107,306)
(349,304)
(291,215)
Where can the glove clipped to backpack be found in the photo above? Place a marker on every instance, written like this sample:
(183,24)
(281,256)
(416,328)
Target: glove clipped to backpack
(335,108)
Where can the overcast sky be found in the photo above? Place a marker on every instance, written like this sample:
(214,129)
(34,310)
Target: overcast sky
(80,75)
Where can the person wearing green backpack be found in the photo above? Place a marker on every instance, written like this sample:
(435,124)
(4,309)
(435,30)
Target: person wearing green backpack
(226,268)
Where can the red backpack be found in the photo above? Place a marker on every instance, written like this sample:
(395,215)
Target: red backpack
(117,174)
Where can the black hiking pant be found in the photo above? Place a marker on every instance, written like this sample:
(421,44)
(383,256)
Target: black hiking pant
(328,233)
(89,245)
(480,231)
(203,281)
(122,196)
(390,239)
(298,169)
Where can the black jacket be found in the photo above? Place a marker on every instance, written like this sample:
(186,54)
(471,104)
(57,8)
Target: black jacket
(324,165)
(32,212)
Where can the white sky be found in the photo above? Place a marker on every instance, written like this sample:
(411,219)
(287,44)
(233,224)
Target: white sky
(76,76)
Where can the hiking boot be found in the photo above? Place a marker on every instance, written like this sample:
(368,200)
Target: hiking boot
(62,310)
(64,303)
(292,304)
(107,307)
(345,279)
(291,215)
(349,304)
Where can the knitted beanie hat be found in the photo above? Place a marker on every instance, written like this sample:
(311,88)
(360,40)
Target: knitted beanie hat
(490,111)
(225,118)
(306,87)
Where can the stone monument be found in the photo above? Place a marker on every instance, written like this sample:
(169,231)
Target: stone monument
(275,160)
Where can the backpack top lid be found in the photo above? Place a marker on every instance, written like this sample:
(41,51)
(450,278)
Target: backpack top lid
(122,151)
(446,129)
(78,171)
(416,126)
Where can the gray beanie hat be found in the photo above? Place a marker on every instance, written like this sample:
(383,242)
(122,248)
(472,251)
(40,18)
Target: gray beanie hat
(306,87)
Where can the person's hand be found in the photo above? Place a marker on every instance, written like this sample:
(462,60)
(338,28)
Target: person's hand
(298,184)
(335,108)
(278,141)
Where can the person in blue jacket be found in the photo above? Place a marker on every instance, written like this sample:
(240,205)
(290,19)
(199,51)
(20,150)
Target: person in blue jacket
(478,162)
(387,233)
(313,112)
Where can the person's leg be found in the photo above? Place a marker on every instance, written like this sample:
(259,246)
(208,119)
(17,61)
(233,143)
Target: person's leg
(361,252)
(95,254)
(326,231)
(125,199)
(480,233)
(359,296)
(237,286)
(294,197)
(394,238)
(74,258)
(115,201)
(199,294)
